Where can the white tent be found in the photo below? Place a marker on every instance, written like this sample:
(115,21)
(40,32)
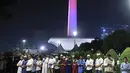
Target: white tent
(68,43)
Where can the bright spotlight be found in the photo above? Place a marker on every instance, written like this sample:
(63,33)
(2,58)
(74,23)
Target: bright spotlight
(75,33)
(104,30)
(42,48)
(23,41)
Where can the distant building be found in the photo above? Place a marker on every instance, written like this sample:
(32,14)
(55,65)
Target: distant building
(108,29)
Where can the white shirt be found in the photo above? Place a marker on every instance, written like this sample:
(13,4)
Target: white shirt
(89,62)
(19,68)
(57,63)
(99,61)
(106,62)
(29,62)
(51,61)
(46,60)
(34,65)
(38,63)
(125,67)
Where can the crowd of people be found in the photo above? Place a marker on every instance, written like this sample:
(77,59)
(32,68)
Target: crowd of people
(62,64)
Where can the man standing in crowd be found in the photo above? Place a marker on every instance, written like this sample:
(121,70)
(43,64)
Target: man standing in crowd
(89,64)
(51,64)
(74,64)
(98,63)
(109,64)
(45,65)
(62,65)
(29,64)
(34,64)
(24,64)
(38,65)
(81,63)
(125,66)
(68,65)
(56,65)
(19,64)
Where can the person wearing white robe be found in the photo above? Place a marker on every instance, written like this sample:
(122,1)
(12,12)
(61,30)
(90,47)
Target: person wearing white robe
(29,64)
(51,64)
(19,64)
(45,65)
(98,63)
(109,64)
(89,64)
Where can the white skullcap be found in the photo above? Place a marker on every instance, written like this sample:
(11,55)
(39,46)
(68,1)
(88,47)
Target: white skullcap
(98,54)
(61,55)
(88,55)
(73,55)
(56,57)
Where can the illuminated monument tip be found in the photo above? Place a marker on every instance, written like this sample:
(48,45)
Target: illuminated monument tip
(72,17)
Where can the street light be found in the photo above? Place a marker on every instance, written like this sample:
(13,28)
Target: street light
(24,41)
(42,48)
(75,33)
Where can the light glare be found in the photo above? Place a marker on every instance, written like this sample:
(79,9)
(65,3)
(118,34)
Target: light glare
(58,42)
(23,41)
(75,33)
(42,48)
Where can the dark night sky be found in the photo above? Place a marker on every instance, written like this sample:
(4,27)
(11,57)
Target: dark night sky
(42,19)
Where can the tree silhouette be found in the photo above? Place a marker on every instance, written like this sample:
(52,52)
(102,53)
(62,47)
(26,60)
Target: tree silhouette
(96,44)
(118,40)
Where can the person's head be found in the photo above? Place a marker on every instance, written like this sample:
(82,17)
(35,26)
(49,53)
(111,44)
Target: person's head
(98,55)
(67,56)
(21,57)
(63,57)
(125,59)
(56,57)
(51,57)
(25,57)
(29,56)
(88,56)
(80,57)
(73,56)
(38,58)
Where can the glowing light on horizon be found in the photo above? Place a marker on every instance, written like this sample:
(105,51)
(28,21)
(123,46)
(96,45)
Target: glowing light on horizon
(72,17)
(75,33)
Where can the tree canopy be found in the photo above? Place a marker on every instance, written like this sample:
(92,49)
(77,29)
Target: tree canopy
(126,53)
(113,54)
(118,40)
